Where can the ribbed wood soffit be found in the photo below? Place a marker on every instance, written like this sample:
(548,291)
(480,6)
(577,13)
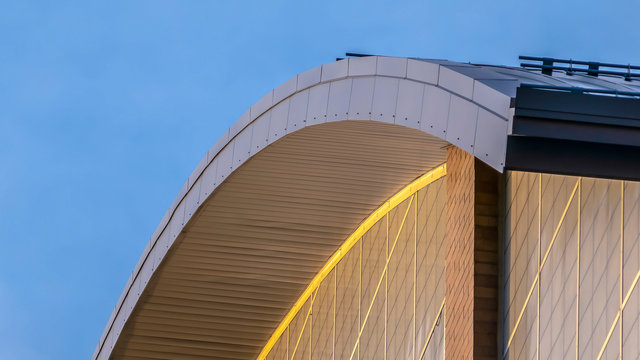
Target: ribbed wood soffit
(261,237)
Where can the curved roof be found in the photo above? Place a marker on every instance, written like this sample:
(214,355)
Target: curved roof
(288,182)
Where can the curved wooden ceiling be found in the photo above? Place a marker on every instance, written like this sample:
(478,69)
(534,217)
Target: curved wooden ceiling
(250,251)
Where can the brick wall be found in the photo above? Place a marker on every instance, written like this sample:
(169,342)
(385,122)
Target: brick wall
(471,258)
(459,255)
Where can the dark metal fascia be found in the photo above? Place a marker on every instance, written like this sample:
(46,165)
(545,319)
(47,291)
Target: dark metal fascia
(574,105)
(576,158)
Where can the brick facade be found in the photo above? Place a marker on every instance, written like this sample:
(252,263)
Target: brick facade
(471,258)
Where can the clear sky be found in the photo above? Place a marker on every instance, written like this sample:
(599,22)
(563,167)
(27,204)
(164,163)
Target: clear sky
(107,106)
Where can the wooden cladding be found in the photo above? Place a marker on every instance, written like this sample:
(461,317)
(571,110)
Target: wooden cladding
(471,258)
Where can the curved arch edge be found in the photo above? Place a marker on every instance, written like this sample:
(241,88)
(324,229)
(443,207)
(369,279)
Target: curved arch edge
(389,76)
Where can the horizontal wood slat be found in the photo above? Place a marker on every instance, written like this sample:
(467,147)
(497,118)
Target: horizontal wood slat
(254,245)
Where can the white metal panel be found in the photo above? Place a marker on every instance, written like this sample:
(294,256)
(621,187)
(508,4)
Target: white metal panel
(110,341)
(385,95)
(309,78)
(360,66)
(198,170)
(278,124)
(138,266)
(178,199)
(151,259)
(240,124)
(285,90)
(409,104)
(193,199)
(129,302)
(215,149)
(317,109)
(225,162)
(163,242)
(145,273)
(241,147)
(297,116)
(461,127)
(161,226)
(165,220)
(123,296)
(512,113)
(361,98)
(423,71)
(118,325)
(179,217)
(335,70)
(103,337)
(161,245)
(392,66)
(338,105)
(99,353)
(146,251)
(457,83)
(151,262)
(138,286)
(435,111)
(175,225)
(491,139)
(262,105)
(491,99)
(260,133)
(208,180)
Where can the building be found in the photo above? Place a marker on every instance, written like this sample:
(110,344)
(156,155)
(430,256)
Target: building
(394,208)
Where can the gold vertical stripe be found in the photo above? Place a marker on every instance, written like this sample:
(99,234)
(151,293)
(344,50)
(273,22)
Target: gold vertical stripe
(578,270)
(386,293)
(335,296)
(619,314)
(621,261)
(360,293)
(384,271)
(311,327)
(539,261)
(415,270)
(544,260)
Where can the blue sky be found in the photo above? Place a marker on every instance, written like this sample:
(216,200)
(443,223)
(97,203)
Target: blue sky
(107,106)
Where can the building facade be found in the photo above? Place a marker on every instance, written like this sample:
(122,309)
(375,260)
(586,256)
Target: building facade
(394,208)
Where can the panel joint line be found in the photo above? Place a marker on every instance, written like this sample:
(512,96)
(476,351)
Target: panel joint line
(536,280)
